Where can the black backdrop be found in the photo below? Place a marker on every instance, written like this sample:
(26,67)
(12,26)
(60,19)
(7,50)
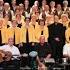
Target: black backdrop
(32,1)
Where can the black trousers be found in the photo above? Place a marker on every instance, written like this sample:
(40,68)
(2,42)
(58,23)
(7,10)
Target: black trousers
(10,65)
(57,49)
(27,48)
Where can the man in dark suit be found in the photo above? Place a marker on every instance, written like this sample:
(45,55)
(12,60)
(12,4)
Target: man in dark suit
(56,38)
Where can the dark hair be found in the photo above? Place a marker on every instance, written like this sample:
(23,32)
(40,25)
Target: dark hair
(41,20)
(27,18)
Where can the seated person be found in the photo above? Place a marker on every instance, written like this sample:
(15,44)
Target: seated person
(10,49)
(44,52)
(66,50)
(66,55)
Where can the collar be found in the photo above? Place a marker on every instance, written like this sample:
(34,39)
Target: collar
(10,46)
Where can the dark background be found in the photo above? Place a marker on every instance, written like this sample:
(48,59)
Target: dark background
(32,1)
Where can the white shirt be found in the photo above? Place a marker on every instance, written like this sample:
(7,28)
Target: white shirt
(66,49)
(14,50)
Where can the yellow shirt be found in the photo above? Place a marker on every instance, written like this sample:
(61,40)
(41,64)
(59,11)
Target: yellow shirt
(36,24)
(22,19)
(38,31)
(34,28)
(7,23)
(30,32)
(10,33)
(3,34)
(64,23)
(67,35)
(67,23)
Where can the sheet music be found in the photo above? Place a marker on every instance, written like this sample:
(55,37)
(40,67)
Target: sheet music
(51,60)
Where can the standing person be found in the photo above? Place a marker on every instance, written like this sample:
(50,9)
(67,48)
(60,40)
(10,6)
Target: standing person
(44,3)
(64,20)
(6,21)
(13,32)
(19,17)
(41,29)
(52,7)
(33,21)
(8,11)
(27,8)
(26,5)
(21,8)
(2,33)
(56,38)
(13,5)
(58,10)
(20,20)
(1,8)
(27,35)
(65,7)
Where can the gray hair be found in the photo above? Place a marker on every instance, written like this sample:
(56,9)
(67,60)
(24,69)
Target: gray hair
(65,2)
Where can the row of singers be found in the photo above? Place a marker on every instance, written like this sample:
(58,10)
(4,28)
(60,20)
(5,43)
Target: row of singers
(32,31)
